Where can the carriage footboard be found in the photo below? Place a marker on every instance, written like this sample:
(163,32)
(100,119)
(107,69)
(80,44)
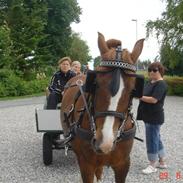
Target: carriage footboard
(48,120)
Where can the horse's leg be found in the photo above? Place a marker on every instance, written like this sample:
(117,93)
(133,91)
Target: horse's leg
(98,173)
(87,171)
(121,171)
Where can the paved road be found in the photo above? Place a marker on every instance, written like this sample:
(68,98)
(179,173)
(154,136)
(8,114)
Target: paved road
(21,102)
(21,148)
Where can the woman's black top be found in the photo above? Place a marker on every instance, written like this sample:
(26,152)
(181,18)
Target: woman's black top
(153,113)
(59,80)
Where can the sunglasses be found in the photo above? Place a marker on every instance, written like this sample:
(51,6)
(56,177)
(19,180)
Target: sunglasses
(154,70)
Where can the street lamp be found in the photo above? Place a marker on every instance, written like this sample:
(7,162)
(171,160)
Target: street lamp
(135,20)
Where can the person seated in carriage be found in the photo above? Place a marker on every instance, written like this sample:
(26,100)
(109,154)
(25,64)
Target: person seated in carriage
(76,67)
(58,81)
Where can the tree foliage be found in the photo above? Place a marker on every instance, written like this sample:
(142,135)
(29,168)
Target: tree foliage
(79,49)
(172,59)
(97,61)
(5,47)
(143,65)
(36,33)
(26,20)
(169,29)
(61,13)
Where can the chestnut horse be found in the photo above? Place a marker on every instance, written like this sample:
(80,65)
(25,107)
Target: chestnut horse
(96,116)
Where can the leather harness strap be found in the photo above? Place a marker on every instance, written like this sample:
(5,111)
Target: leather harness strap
(87,135)
(109,113)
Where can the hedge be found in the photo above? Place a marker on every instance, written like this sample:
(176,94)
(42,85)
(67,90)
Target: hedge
(12,85)
(175,85)
(22,87)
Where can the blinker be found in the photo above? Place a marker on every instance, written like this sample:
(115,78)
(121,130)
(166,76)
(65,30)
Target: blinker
(139,86)
(90,83)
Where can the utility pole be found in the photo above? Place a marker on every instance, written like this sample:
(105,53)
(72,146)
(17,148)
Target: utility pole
(136,23)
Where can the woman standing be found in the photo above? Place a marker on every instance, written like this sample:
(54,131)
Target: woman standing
(151,111)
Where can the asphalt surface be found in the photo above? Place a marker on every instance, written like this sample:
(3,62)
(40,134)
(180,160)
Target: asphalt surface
(21,148)
(22,102)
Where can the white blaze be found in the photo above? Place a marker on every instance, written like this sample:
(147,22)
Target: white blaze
(107,131)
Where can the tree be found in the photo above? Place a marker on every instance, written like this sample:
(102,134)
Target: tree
(143,65)
(5,47)
(172,59)
(40,31)
(97,61)
(26,20)
(169,29)
(61,13)
(79,49)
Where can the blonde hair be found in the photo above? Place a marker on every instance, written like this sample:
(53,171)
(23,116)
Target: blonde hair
(64,59)
(75,63)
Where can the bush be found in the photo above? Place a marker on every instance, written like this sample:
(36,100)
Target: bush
(38,86)
(12,85)
(2,90)
(175,85)
(5,73)
(49,70)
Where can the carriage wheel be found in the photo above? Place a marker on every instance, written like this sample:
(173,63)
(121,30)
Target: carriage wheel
(47,149)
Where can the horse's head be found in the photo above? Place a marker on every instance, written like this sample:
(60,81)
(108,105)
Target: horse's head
(113,91)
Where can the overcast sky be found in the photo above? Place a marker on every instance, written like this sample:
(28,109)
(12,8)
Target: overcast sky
(113,18)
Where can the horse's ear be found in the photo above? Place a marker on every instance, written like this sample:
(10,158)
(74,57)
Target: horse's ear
(137,50)
(102,44)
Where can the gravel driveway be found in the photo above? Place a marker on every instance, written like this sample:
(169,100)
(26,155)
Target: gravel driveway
(21,149)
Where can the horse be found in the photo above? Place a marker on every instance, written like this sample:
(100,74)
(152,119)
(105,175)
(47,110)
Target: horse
(96,112)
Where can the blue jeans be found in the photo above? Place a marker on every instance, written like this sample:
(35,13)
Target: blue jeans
(154,144)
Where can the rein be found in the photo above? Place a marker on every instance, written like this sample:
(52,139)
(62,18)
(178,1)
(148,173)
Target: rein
(91,119)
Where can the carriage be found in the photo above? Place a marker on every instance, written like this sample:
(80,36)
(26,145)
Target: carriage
(48,123)
(95,114)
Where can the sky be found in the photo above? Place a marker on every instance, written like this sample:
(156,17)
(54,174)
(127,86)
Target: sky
(113,18)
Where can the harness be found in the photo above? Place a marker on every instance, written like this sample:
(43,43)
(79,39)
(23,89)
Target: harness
(89,87)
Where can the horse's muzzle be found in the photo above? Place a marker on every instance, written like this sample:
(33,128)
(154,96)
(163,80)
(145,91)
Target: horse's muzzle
(101,148)
(95,145)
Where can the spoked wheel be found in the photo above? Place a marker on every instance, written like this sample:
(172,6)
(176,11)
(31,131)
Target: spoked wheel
(47,149)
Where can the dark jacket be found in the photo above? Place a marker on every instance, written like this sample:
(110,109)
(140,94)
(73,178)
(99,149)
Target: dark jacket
(59,80)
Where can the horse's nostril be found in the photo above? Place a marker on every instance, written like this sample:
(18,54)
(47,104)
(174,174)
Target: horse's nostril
(95,145)
(93,142)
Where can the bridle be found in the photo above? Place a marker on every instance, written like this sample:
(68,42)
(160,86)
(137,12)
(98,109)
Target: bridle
(122,66)
(118,63)
(88,135)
